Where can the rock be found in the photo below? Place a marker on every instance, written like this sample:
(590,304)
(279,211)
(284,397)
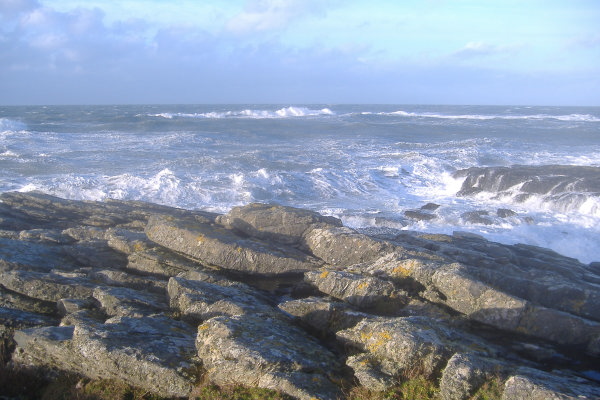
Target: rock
(198,300)
(476,217)
(326,317)
(419,215)
(219,247)
(365,292)
(344,246)
(505,213)
(407,344)
(430,207)
(260,350)
(368,373)
(125,302)
(268,222)
(51,286)
(465,373)
(155,353)
(161,262)
(533,384)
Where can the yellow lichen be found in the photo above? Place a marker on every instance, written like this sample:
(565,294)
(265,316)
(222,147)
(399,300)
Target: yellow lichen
(324,274)
(203,327)
(362,285)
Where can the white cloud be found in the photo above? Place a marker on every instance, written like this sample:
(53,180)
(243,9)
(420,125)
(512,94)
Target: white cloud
(482,49)
(266,15)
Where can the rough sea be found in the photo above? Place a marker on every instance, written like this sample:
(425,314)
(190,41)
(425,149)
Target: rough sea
(366,164)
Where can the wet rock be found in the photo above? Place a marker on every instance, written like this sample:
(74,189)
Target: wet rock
(222,248)
(269,222)
(430,207)
(260,350)
(419,215)
(505,213)
(476,217)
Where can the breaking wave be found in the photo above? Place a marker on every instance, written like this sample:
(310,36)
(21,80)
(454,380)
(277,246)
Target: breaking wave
(534,117)
(286,112)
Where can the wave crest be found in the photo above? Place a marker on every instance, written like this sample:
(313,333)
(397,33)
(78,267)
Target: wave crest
(285,112)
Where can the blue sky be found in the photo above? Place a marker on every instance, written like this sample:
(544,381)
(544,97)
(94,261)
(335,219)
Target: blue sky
(536,52)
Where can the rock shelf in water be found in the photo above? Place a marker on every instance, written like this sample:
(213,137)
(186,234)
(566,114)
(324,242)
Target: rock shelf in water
(286,299)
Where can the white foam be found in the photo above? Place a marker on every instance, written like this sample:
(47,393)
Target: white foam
(566,117)
(287,112)
(9,125)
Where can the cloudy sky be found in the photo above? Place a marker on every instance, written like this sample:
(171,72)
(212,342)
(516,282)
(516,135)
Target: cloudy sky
(536,52)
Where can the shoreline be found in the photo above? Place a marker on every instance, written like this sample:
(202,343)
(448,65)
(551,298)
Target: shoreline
(287,299)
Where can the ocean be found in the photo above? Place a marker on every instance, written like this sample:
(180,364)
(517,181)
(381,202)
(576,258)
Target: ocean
(511,174)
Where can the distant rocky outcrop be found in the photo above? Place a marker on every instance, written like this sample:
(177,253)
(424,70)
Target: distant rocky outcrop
(283,298)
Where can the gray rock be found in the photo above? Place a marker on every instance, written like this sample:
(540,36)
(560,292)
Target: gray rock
(369,374)
(270,222)
(531,384)
(477,217)
(322,315)
(405,344)
(125,302)
(51,286)
(419,215)
(155,353)
(344,246)
(465,373)
(198,300)
(222,248)
(505,213)
(260,350)
(366,292)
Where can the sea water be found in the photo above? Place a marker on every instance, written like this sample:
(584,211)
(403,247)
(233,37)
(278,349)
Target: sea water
(366,164)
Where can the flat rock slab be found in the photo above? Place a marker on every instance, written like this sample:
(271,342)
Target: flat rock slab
(222,248)
(156,353)
(269,222)
(268,352)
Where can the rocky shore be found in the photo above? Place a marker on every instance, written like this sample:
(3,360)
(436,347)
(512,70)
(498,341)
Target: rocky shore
(287,299)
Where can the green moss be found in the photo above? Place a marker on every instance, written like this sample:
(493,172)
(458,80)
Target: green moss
(412,389)
(490,390)
(214,392)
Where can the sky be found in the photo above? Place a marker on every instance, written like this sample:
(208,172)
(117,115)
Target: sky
(526,52)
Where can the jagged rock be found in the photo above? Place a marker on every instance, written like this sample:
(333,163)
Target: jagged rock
(324,316)
(156,353)
(222,248)
(198,300)
(531,384)
(264,351)
(362,291)
(268,222)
